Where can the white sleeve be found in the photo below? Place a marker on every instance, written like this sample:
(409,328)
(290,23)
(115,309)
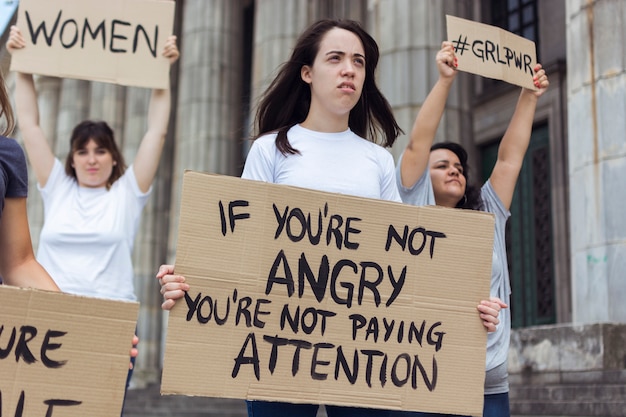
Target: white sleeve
(260,161)
(421,193)
(388,187)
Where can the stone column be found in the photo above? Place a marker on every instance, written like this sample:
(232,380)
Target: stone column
(48,92)
(73,108)
(273,43)
(409,34)
(128,107)
(208,107)
(209,122)
(597,158)
(107,102)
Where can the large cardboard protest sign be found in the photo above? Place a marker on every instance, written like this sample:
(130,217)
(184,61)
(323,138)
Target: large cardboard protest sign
(115,41)
(311,297)
(492,52)
(63,355)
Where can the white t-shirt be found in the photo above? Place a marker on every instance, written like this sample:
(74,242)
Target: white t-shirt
(87,239)
(333,162)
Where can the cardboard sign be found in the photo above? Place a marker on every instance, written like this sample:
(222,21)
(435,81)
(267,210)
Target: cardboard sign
(492,52)
(311,297)
(63,354)
(115,41)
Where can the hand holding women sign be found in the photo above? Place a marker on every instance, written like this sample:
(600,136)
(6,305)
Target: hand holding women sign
(118,41)
(492,52)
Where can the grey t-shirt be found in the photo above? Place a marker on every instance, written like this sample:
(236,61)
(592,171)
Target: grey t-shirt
(421,194)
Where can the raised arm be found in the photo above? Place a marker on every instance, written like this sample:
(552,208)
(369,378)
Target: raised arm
(416,154)
(18,266)
(516,140)
(151,146)
(37,147)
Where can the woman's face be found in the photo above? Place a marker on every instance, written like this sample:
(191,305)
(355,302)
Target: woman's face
(337,74)
(93,165)
(446,173)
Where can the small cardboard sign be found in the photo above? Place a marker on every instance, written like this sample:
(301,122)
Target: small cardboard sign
(114,41)
(310,297)
(63,354)
(492,52)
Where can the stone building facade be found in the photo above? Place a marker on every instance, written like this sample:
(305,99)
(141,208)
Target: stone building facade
(567,233)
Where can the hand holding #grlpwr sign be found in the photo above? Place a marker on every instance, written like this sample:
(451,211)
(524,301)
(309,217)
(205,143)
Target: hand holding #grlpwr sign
(115,41)
(492,52)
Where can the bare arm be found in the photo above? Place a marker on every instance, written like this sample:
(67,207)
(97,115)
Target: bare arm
(147,159)
(415,157)
(18,266)
(516,139)
(38,149)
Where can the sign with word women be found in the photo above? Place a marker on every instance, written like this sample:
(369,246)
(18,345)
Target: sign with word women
(311,297)
(63,355)
(492,52)
(115,41)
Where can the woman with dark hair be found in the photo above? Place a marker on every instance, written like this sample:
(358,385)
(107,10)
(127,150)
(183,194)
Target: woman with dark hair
(319,123)
(438,174)
(18,266)
(93,205)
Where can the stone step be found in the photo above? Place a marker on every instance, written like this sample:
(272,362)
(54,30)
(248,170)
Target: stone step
(571,400)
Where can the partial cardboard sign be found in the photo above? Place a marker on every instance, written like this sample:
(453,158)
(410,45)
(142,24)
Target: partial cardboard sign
(63,354)
(114,41)
(310,297)
(492,52)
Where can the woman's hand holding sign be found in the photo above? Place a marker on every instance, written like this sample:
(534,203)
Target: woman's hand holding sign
(173,286)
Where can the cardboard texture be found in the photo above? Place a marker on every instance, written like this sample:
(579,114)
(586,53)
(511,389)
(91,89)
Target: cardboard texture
(63,354)
(492,52)
(379,328)
(114,41)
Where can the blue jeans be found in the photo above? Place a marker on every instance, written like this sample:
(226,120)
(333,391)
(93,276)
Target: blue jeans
(495,405)
(128,377)
(276,409)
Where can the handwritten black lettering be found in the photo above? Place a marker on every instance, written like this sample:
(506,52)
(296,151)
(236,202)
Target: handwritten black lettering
(253,360)
(232,217)
(316,362)
(295,320)
(489,51)
(21,406)
(296,225)
(206,308)
(70,31)
(415,332)
(99,32)
(373,368)
(415,240)
(281,274)
(46,346)
(68,45)
(115,35)
(21,345)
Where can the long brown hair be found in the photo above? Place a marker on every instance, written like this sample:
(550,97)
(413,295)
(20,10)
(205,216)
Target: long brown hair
(5,108)
(288,98)
(102,134)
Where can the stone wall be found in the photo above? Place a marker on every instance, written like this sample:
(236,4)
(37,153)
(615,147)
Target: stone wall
(568,370)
